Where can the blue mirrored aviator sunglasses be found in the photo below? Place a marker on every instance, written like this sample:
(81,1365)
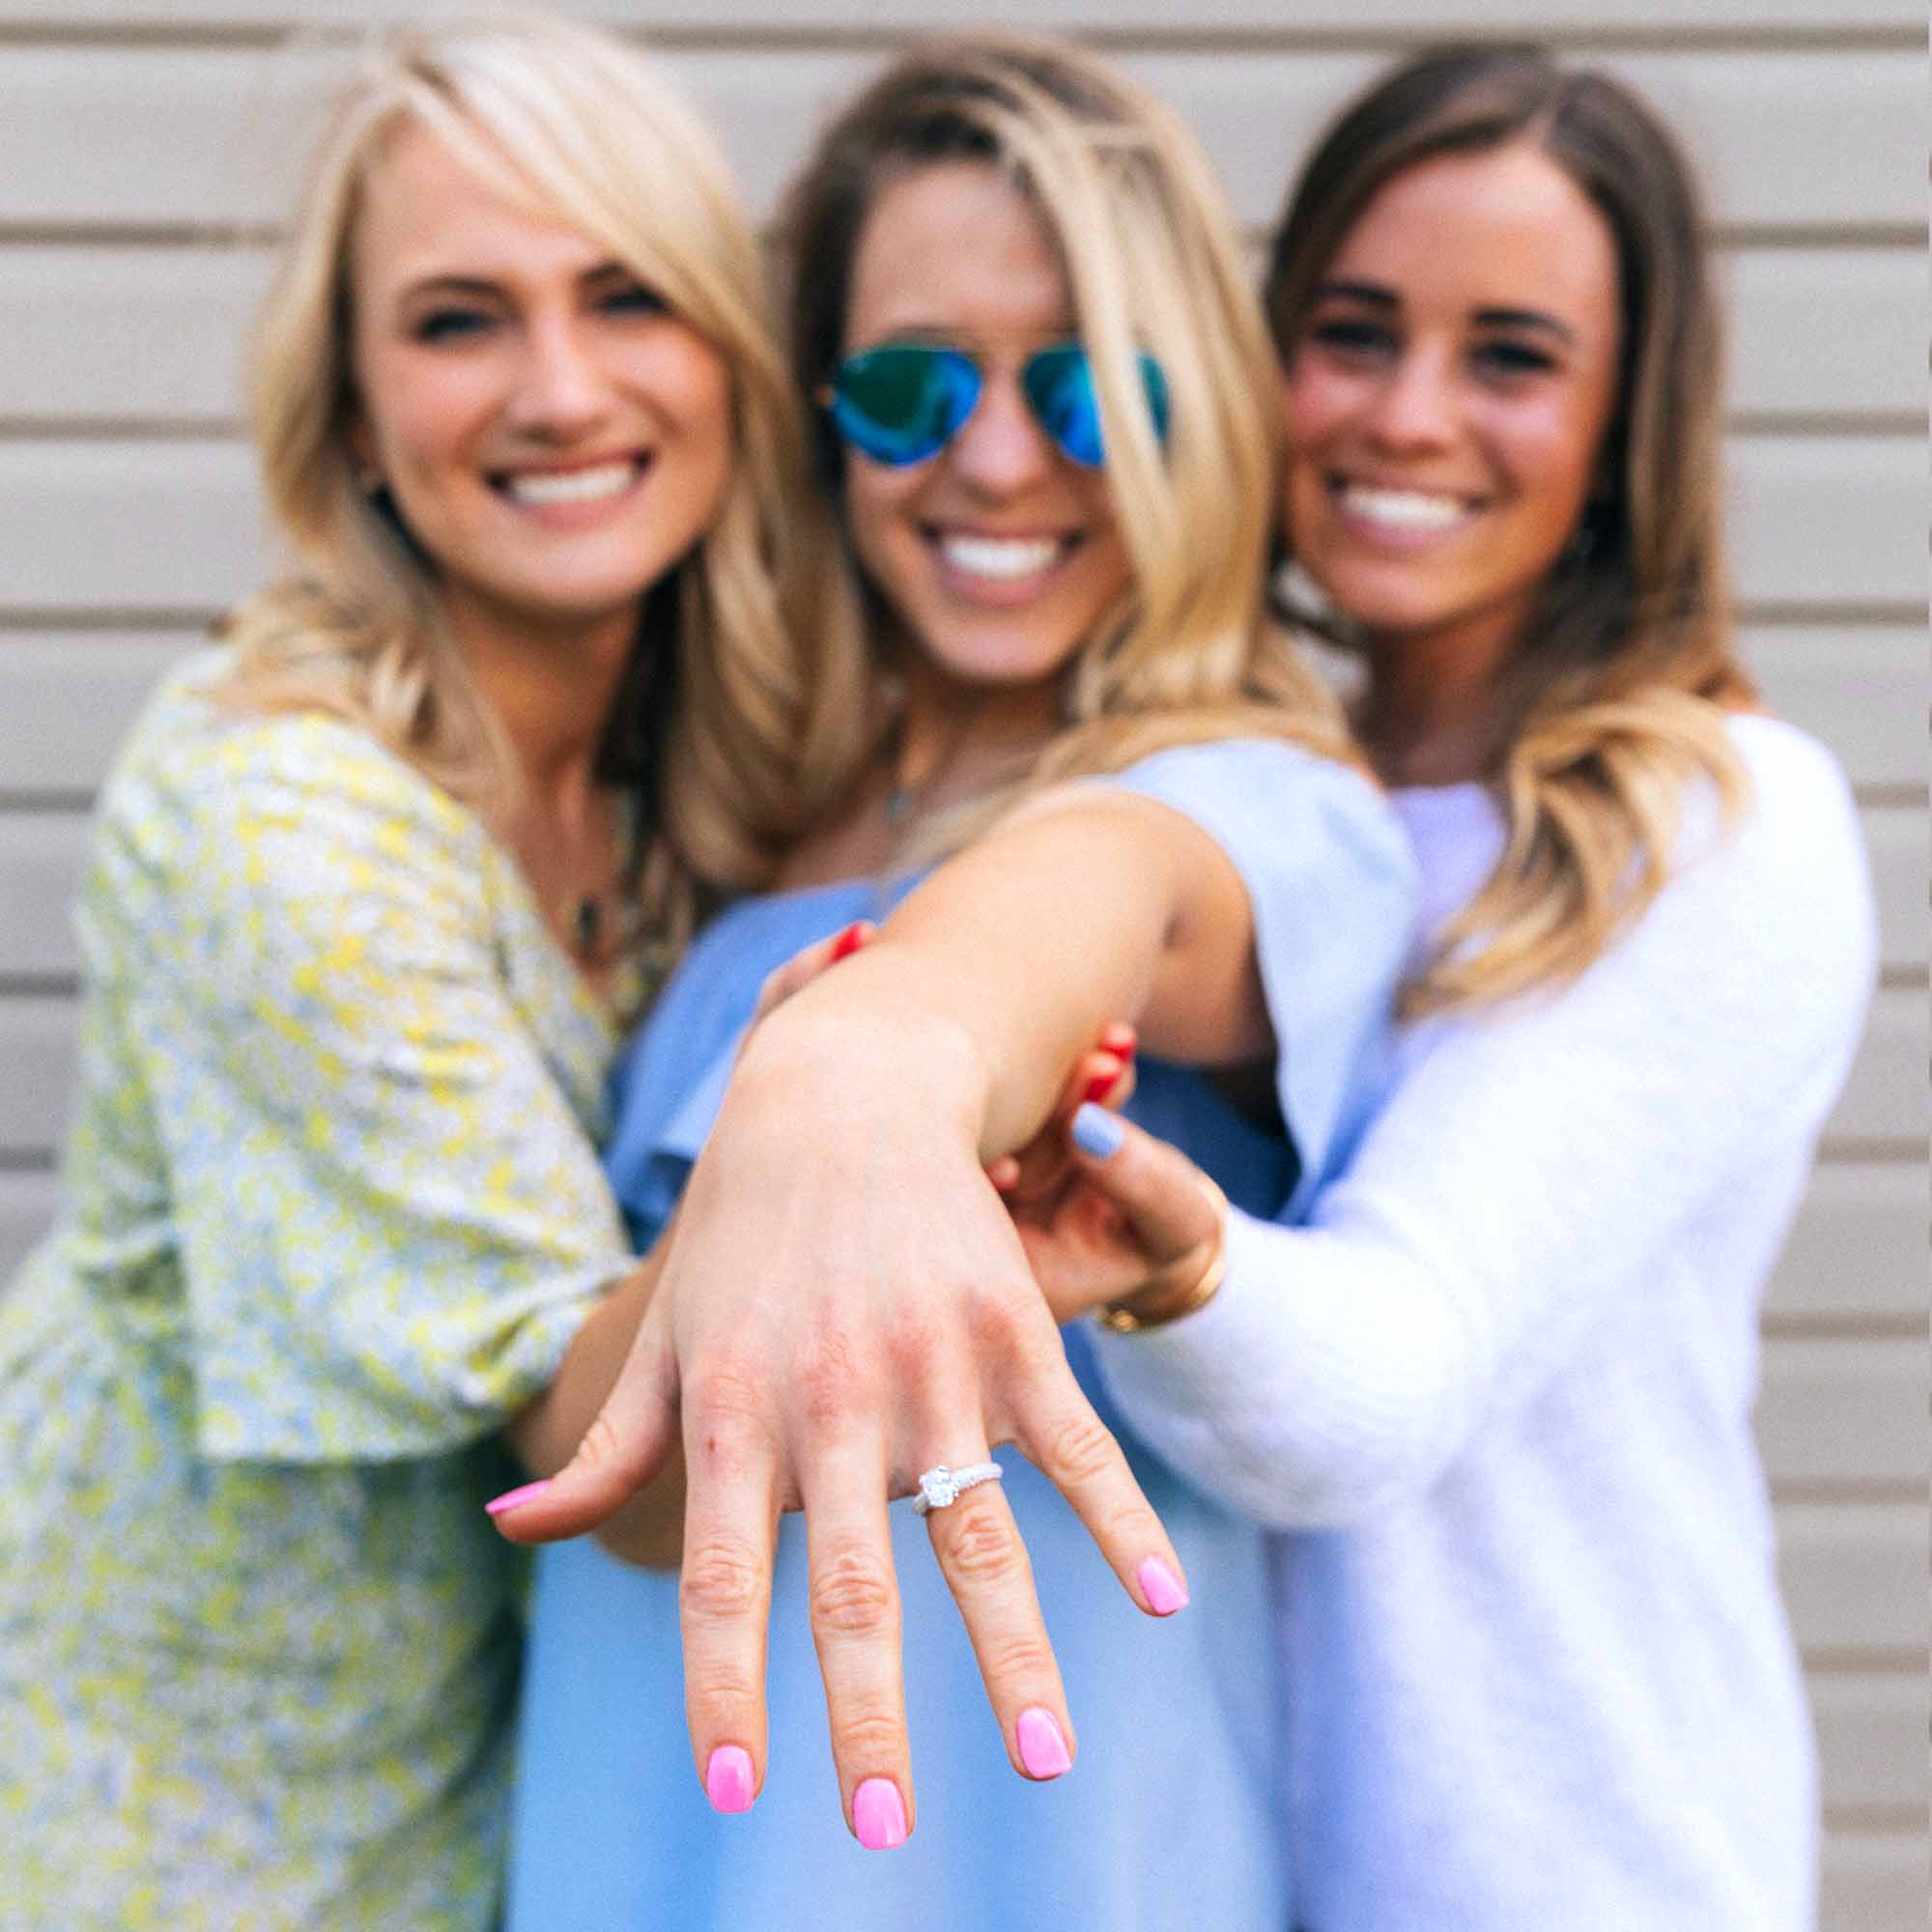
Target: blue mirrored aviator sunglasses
(905,400)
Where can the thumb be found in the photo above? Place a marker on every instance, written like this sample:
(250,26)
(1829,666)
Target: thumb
(1166,1200)
(623,1450)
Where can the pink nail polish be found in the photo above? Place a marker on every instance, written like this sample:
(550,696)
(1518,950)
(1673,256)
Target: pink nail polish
(1042,1747)
(1163,1589)
(878,1815)
(515,1498)
(728,1778)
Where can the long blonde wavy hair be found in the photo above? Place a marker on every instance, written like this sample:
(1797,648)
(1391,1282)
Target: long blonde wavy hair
(1614,703)
(567,120)
(1189,652)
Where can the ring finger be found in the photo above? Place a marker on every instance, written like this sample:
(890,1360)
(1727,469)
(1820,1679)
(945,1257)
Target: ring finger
(987,1570)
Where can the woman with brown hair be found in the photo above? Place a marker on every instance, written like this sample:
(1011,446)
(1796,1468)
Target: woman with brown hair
(1536,1672)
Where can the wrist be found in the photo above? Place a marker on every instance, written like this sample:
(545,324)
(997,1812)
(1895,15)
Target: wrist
(1185,1284)
(852,1052)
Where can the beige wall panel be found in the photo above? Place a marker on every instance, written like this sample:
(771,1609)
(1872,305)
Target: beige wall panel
(121,134)
(102,332)
(1827,519)
(41,858)
(67,701)
(26,1209)
(1896,837)
(1160,17)
(1873,1881)
(170,525)
(35,1072)
(1827,330)
(1801,136)
(1783,138)
(1885,1098)
(1845,1411)
(126,333)
(1854,1575)
(165,525)
(1871,1738)
(1862,690)
(159,134)
(1858,1248)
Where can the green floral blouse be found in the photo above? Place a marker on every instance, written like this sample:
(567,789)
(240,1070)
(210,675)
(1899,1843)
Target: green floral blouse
(332,1214)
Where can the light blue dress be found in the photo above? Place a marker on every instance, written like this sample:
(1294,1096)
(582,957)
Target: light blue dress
(1171,1817)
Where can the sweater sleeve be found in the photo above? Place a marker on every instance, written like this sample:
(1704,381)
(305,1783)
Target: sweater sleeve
(1531,1164)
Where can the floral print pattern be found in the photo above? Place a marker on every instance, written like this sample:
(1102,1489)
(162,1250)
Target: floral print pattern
(331,1212)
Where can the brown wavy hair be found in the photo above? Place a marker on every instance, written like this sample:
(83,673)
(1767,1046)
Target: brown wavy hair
(1614,702)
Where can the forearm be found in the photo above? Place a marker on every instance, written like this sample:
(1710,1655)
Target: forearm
(1003,965)
(1530,1180)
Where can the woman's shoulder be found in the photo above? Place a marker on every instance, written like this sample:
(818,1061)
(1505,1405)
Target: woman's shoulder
(201,752)
(1786,760)
(1799,819)
(1278,786)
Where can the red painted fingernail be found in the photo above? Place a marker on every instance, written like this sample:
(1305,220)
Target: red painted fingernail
(1120,1038)
(1043,1744)
(1164,1591)
(1101,1086)
(848,942)
(727,1779)
(515,1498)
(878,1815)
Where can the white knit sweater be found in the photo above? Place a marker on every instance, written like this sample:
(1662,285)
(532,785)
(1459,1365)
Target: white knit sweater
(1536,1674)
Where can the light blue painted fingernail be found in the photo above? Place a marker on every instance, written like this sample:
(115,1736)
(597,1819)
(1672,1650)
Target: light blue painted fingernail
(1097,1132)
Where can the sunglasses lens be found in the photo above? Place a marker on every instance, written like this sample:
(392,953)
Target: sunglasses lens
(900,402)
(1059,386)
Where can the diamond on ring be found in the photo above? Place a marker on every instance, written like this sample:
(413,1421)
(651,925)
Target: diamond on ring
(940,1487)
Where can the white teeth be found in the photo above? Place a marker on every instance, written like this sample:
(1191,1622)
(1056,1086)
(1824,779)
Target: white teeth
(1405,509)
(1005,557)
(577,485)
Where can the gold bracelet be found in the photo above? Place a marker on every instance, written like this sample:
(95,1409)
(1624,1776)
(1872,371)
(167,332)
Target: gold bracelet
(1159,1303)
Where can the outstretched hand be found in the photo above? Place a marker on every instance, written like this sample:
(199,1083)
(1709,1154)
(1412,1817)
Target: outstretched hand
(839,1309)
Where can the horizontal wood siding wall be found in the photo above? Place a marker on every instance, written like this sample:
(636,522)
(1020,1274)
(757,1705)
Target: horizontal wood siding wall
(147,151)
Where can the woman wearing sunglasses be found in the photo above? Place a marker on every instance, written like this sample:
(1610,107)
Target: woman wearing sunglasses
(1538,1673)
(1043,391)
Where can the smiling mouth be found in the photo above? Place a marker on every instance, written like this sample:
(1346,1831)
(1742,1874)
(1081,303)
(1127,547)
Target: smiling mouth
(1000,559)
(1402,512)
(540,489)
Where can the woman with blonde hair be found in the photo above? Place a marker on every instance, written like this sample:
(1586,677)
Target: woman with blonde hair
(1017,303)
(1536,1671)
(374,888)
